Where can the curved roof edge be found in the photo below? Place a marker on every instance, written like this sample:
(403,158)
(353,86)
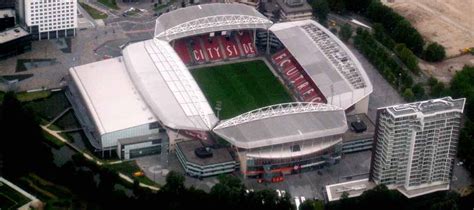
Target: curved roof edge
(167,86)
(283,123)
(208,18)
(275,111)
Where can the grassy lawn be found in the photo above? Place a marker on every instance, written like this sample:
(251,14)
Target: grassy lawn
(112,4)
(161,6)
(130,167)
(11,199)
(67,121)
(2,94)
(26,97)
(50,107)
(240,87)
(96,14)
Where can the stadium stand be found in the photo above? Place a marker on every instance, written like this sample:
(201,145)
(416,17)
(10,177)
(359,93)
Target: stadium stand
(212,47)
(293,73)
(231,48)
(197,51)
(182,50)
(245,39)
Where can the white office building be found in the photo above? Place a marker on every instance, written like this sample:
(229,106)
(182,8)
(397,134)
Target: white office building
(415,145)
(48,19)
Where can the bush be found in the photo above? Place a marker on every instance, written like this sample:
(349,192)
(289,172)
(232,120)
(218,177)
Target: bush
(407,57)
(346,32)
(434,52)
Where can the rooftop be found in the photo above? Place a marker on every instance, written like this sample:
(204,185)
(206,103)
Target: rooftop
(351,135)
(427,107)
(282,123)
(12,34)
(110,95)
(208,18)
(304,7)
(220,155)
(330,64)
(7,13)
(423,190)
(353,188)
(167,86)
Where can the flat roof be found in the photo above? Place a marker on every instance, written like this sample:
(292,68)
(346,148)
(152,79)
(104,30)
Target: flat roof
(353,188)
(329,63)
(207,18)
(351,135)
(7,13)
(110,96)
(12,34)
(167,86)
(304,7)
(282,123)
(427,107)
(411,193)
(221,155)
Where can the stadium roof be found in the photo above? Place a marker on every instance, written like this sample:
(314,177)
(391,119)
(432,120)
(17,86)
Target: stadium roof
(329,63)
(167,86)
(208,18)
(110,96)
(282,123)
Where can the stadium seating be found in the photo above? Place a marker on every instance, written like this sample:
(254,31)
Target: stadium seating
(292,72)
(231,48)
(197,51)
(212,47)
(245,39)
(182,50)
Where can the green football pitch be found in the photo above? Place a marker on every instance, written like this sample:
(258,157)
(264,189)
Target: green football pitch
(240,87)
(11,199)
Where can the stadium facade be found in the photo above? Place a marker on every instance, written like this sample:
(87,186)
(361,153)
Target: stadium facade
(150,88)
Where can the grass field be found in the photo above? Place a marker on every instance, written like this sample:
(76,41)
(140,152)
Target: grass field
(240,87)
(96,14)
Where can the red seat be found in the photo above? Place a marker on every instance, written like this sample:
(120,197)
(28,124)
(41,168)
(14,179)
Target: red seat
(213,50)
(182,50)
(231,49)
(247,43)
(197,51)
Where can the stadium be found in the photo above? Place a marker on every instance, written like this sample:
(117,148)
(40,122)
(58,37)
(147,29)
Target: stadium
(277,93)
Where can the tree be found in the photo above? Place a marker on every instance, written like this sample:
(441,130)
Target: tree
(337,6)
(408,95)
(22,143)
(321,11)
(418,91)
(312,205)
(346,32)
(434,52)
(408,58)
(174,182)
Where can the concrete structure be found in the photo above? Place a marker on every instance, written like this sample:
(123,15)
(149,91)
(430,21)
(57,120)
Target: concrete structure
(352,188)
(7,19)
(221,161)
(353,141)
(135,147)
(48,19)
(14,41)
(292,10)
(415,145)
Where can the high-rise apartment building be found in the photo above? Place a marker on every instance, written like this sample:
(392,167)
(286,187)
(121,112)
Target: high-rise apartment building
(415,145)
(48,19)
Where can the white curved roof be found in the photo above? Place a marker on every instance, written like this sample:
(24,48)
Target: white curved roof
(282,123)
(208,18)
(329,63)
(167,86)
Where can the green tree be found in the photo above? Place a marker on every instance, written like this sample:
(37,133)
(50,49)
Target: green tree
(434,52)
(312,205)
(418,91)
(408,95)
(346,32)
(321,11)
(337,6)
(407,57)
(174,182)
